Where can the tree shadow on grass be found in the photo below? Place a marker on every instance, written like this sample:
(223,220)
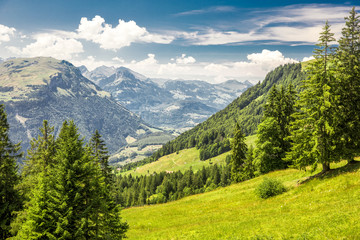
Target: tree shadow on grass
(348,168)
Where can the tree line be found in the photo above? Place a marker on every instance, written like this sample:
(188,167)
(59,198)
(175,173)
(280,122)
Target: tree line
(62,192)
(168,186)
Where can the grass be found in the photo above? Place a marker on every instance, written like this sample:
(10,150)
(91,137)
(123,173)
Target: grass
(178,162)
(322,208)
(183,160)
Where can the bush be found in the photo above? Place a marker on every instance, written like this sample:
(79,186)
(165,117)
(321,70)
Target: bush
(269,188)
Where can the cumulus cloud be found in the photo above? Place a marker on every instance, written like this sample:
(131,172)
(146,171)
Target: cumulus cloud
(184,59)
(6,33)
(122,35)
(91,62)
(305,59)
(117,59)
(50,45)
(254,69)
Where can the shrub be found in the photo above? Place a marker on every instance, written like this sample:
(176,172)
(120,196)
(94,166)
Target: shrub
(269,188)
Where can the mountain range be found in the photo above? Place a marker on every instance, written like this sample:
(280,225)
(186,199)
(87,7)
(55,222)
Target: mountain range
(41,88)
(169,104)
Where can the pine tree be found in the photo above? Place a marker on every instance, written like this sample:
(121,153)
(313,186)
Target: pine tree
(73,186)
(348,88)
(107,222)
(100,153)
(273,131)
(40,222)
(313,132)
(239,149)
(40,157)
(9,196)
(36,220)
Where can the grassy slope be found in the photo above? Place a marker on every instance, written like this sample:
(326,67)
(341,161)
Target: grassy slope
(174,162)
(325,208)
(184,160)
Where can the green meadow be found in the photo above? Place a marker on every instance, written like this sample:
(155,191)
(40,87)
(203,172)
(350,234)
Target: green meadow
(183,160)
(321,208)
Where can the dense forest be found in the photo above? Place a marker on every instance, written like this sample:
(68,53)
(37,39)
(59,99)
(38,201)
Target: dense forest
(63,191)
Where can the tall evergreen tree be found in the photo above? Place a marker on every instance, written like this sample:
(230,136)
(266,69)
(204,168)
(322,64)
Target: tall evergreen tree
(34,220)
(274,130)
(100,153)
(39,158)
(9,196)
(313,132)
(348,88)
(239,149)
(73,186)
(106,220)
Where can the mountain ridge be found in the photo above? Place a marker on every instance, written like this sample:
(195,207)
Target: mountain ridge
(167,103)
(37,89)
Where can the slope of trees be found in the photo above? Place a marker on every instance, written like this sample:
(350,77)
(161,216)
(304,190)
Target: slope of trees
(247,110)
(163,187)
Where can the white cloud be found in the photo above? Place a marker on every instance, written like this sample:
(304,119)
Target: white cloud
(117,59)
(50,45)
(6,33)
(254,69)
(122,35)
(91,63)
(294,23)
(216,9)
(185,60)
(305,59)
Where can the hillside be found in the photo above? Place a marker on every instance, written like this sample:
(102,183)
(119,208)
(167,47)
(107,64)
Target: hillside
(247,110)
(35,89)
(323,208)
(182,161)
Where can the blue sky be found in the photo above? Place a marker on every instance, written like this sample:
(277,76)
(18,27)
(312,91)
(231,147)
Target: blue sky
(207,40)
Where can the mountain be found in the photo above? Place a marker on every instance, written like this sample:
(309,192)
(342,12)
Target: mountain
(41,88)
(247,110)
(170,104)
(98,73)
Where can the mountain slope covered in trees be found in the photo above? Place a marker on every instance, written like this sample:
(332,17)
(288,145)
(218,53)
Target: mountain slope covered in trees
(247,110)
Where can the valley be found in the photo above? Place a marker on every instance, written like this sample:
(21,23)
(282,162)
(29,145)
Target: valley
(231,120)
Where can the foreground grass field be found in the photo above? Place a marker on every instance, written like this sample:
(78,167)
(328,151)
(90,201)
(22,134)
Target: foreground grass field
(322,208)
(182,161)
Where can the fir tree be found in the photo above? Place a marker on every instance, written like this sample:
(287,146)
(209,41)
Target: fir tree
(9,196)
(100,153)
(35,221)
(348,88)
(313,133)
(106,220)
(273,131)
(239,149)
(73,184)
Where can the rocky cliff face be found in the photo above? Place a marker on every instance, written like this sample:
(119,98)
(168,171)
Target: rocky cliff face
(35,89)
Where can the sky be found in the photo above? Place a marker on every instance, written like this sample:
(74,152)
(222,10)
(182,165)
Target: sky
(206,40)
